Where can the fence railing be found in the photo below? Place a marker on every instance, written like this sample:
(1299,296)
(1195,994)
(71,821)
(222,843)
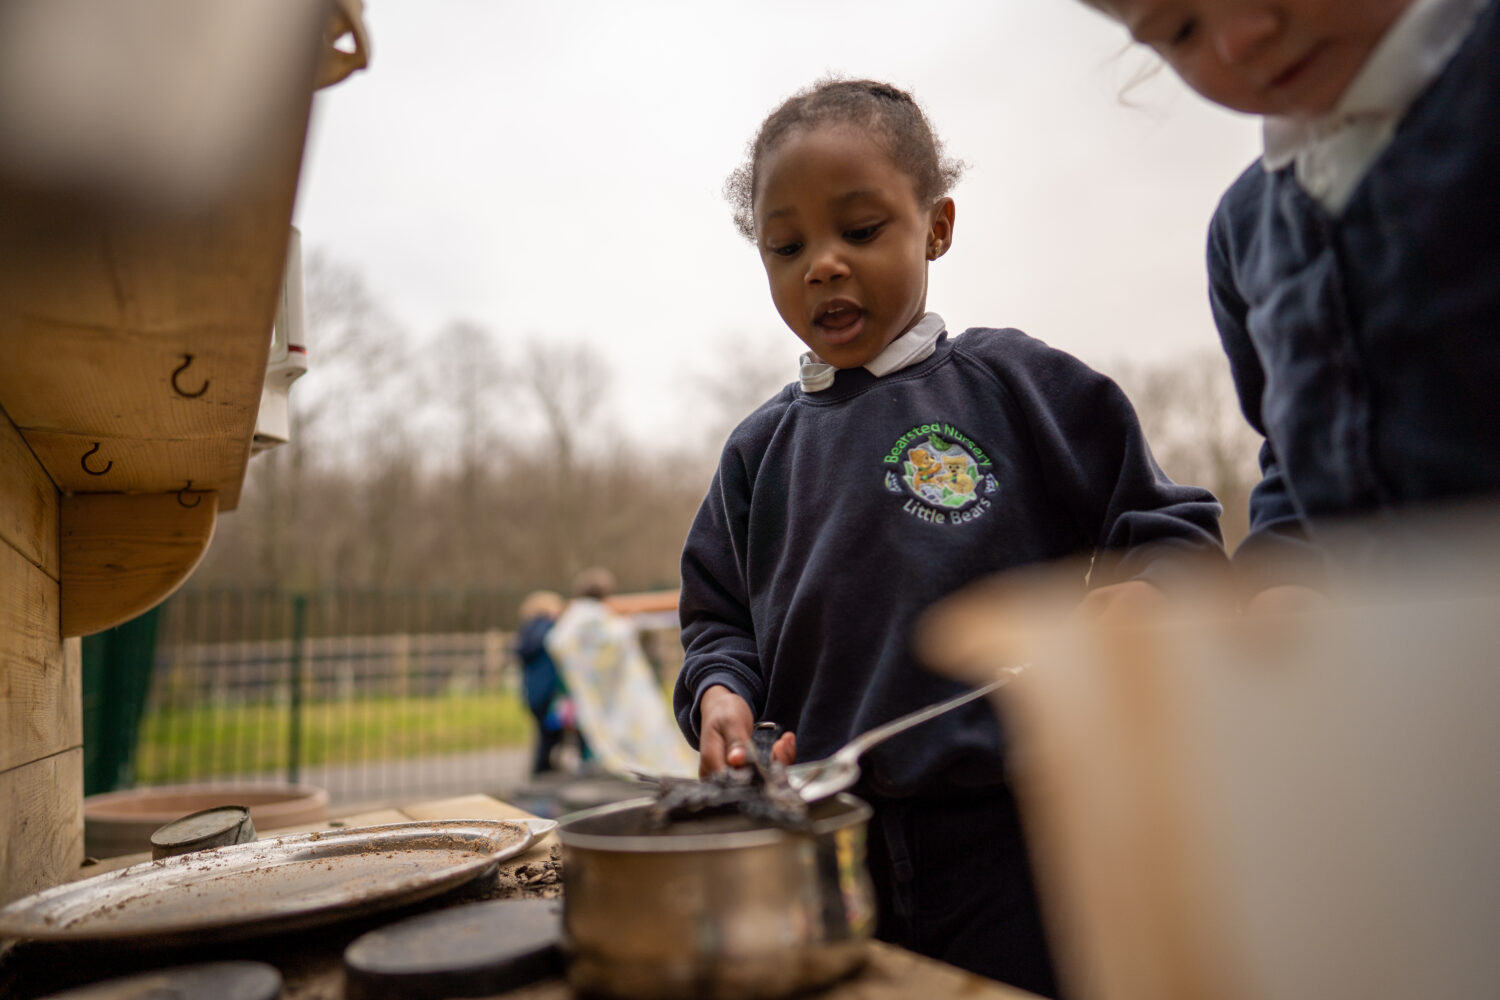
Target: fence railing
(371,695)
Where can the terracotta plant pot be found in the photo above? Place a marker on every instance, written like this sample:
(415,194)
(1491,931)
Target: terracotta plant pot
(118,823)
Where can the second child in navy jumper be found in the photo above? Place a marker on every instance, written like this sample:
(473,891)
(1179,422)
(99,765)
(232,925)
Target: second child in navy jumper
(903,466)
(1354,269)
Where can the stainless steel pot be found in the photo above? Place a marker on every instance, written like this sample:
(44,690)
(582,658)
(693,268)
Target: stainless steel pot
(724,908)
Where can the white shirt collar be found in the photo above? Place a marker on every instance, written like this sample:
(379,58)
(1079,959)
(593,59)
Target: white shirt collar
(1410,56)
(916,344)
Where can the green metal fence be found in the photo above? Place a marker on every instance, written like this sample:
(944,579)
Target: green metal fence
(369,694)
(116,679)
(373,695)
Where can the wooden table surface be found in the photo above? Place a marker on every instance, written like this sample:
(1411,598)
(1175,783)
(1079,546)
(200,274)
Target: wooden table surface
(310,962)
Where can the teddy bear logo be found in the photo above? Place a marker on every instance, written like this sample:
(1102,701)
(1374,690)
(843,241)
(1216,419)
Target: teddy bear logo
(942,472)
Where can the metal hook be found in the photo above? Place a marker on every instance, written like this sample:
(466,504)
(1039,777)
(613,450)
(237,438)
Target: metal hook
(196,500)
(84,461)
(187,359)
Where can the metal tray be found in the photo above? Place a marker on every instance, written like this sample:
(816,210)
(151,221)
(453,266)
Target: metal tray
(273,885)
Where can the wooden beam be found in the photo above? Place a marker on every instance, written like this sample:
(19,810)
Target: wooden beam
(150,330)
(41,826)
(28,502)
(82,463)
(192,380)
(122,555)
(39,687)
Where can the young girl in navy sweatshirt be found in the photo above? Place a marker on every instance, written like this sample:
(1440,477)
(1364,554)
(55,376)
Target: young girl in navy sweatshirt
(902,465)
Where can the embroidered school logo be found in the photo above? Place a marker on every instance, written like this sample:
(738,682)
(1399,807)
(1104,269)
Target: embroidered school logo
(944,475)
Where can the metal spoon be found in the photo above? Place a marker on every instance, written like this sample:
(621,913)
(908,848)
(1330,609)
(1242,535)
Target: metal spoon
(818,779)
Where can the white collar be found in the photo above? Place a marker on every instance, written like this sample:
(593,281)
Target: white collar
(916,344)
(1410,56)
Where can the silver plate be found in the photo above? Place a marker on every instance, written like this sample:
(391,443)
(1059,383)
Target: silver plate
(273,885)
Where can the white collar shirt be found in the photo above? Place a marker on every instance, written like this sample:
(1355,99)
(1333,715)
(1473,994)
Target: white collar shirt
(916,344)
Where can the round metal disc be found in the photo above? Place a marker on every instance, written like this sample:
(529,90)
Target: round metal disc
(209,981)
(206,828)
(474,950)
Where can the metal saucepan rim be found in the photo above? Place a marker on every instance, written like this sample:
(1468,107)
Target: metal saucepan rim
(855,810)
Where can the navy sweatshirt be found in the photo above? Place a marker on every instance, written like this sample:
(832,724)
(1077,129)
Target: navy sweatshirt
(837,517)
(1366,346)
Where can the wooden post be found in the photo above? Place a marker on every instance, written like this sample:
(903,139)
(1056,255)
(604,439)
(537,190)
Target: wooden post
(299,674)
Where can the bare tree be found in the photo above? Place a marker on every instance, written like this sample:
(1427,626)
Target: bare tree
(747,375)
(345,412)
(362,366)
(1192,418)
(440,463)
(462,381)
(568,385)
(449,466)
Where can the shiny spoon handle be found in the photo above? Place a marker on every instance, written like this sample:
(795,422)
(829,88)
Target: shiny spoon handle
(852,750)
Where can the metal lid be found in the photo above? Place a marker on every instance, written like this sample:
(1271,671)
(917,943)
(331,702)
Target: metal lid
(215,827)
(468,951)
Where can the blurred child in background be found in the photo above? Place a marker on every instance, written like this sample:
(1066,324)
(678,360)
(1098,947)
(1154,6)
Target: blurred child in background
(621,709)
(545,697)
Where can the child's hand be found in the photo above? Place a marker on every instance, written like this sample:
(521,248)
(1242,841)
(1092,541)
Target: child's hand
(724,729)
(1288,598)
(1134,602)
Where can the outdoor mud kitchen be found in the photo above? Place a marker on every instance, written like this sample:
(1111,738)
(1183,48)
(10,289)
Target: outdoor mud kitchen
(354,649)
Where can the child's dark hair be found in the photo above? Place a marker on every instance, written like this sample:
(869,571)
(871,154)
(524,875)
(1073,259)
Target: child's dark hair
(891,113)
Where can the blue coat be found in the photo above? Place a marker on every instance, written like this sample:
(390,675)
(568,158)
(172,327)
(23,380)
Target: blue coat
(539,678)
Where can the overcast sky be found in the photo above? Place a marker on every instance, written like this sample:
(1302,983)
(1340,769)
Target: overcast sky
(555,168)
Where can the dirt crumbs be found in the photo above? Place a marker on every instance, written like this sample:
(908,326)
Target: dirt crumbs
(533,880)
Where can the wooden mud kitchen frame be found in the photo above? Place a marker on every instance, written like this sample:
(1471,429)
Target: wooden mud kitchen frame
(138,290)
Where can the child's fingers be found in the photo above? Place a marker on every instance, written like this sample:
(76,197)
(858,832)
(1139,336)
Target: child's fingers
(726,724)
(711,755)
(737,756)
(785,749)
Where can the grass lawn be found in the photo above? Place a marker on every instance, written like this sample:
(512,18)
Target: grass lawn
(189,744)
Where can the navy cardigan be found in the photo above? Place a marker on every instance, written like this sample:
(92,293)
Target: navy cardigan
(1366,346)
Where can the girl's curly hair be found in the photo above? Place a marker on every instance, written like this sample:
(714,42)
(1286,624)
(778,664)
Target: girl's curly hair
(888,112)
